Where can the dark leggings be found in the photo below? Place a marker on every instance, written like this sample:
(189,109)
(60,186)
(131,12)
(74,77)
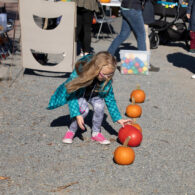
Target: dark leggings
(84,22)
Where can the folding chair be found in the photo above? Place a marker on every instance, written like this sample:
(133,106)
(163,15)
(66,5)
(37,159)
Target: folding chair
(5,26)
(101,19)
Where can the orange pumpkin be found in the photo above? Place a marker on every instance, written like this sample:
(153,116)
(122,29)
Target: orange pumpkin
(138,94)
(124,155)
(105,1)
(133,111)
(136,125)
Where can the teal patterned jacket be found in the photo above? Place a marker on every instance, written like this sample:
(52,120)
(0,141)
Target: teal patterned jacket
(62,97)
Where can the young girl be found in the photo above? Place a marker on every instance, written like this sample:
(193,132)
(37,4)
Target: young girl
(90,82)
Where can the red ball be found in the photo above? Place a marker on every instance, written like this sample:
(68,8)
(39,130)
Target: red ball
(135,134)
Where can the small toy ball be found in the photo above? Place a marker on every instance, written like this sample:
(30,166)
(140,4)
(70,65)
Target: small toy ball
(141,65)
(124,155)
(125,71)
(144,68)
(130,71)
(133,110)
(124,65)
(135,71)
(140,69)
(131,64)
(135,134)
(136,64)
(138,95)
(126,60)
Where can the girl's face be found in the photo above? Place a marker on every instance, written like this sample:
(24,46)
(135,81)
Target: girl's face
(105,73)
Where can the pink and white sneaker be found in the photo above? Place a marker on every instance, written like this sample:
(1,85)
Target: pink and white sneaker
(96,136)
(68,137)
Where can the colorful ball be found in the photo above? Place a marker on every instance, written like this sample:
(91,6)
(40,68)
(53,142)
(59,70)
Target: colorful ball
(141,64)
(137,64)
(124,65)
(125,71)
(145,68)
(126,60)
(131,64)
(130,71)
(134,68)
(136,72)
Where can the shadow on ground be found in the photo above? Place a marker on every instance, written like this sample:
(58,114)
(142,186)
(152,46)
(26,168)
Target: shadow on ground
(124,46)
(177,44)
(45,73)
(182,60)
(65,121)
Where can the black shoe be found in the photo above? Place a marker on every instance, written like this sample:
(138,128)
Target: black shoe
(153,68)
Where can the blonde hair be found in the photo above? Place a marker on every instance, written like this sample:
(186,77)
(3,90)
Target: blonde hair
(88,71)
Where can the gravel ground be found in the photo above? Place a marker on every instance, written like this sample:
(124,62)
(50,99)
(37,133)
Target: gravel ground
(35,161)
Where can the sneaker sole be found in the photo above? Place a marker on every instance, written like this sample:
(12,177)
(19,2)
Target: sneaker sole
(67,141)
(101,142)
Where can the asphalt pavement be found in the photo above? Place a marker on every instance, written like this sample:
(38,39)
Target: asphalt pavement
(33,160)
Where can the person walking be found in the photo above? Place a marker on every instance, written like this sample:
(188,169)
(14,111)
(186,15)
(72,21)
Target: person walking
(85,12)
(148,16)
(132,19)
(191,16)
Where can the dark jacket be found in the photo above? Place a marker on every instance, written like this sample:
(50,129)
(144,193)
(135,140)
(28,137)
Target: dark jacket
(132,4)
(148,12)
(191,10)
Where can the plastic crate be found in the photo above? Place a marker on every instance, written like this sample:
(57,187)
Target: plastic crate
(134,62)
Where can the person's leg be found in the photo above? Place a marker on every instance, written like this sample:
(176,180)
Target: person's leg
(135,18)
(124,34)
(147,37)
(84,109)
(192,41)
(98,107)
(151,67)
(87,23)
(79,28)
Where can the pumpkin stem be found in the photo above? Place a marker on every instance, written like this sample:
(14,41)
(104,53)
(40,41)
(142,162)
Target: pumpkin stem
(134,120)
(126,141)
(138,86)
(133,100)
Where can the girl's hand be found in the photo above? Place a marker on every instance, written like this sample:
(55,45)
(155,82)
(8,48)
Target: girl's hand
(188,16)
(123,122)
(80,122)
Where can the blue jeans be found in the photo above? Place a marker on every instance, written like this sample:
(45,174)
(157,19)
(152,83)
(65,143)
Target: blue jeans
(132,20)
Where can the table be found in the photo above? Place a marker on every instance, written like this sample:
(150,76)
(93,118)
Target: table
(113,3)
